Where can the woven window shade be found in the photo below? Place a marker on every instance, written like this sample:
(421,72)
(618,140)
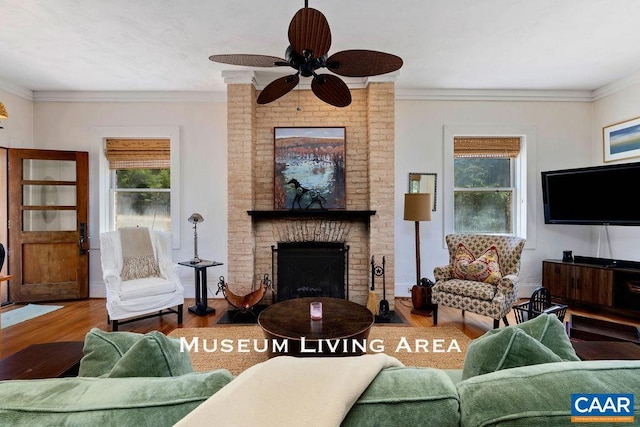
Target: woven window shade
(138,153)
(486,147)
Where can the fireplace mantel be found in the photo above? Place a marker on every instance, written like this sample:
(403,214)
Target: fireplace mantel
(324,214)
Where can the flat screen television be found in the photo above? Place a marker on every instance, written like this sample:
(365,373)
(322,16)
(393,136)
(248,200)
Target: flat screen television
(599,195)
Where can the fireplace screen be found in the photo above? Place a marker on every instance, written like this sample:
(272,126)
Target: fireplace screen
(311,269)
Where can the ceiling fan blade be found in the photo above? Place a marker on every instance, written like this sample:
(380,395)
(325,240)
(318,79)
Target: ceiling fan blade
(363,63)
(278,88)
(331,89)
(309,31)
(249,60)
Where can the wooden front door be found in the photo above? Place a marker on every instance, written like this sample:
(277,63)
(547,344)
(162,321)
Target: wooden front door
(48,208)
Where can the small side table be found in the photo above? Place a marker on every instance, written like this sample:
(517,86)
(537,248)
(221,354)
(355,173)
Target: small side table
(201,308)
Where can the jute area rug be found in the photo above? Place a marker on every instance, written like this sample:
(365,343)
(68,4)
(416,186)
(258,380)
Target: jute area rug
(237,348)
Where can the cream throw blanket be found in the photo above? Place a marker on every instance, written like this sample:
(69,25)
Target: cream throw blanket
(291,391)
(138,260)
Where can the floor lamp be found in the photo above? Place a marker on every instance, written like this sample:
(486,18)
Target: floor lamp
(417,207)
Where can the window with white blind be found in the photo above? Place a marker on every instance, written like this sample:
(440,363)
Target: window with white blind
(140,182)
(485,185)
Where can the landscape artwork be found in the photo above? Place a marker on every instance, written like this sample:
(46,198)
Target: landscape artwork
(622,140)
(309,168)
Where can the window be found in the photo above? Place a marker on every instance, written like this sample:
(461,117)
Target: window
(484,185)
(106,175)
(140,183)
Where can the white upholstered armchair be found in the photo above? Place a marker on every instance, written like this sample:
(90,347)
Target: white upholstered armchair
(482,275)
(140,277)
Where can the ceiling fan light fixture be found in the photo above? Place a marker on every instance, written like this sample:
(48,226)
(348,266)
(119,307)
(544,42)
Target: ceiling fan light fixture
(309,42)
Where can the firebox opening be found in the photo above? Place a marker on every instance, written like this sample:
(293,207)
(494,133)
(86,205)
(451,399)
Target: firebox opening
(311,269)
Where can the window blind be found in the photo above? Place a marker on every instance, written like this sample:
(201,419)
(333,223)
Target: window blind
(486,146)
(138,153)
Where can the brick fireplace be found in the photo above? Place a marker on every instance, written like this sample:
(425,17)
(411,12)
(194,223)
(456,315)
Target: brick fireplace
(366,225)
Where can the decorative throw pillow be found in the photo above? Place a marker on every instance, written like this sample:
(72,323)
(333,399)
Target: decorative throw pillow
(102,350)
(138,259)
(154,355)
(510,347)
(551,332)
(539,340)
(485,268)
(127,354)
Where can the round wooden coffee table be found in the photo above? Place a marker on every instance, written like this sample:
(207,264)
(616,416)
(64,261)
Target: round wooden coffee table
(342,331)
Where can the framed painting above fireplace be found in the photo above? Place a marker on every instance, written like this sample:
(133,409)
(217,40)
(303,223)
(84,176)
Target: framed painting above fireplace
(309,168)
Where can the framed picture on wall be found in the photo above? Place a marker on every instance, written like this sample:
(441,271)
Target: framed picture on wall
(424,183)
(309,168)
(622,140)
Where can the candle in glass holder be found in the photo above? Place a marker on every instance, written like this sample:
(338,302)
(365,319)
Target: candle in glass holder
(315,309)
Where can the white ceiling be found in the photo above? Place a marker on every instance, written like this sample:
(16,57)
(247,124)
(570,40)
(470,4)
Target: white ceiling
(164,45)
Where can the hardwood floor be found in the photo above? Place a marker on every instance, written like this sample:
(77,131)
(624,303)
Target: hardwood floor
(76,318)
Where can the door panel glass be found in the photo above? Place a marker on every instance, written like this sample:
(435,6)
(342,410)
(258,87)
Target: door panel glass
(49,220)
(49,195)
(49,170)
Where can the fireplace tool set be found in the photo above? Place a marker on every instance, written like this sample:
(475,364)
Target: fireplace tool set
(383,315)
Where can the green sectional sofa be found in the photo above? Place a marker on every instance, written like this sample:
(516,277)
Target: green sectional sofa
(520,375)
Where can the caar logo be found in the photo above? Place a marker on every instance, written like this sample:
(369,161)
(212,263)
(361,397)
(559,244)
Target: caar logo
(599,408)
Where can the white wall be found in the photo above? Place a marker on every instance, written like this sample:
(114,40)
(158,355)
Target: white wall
(203,171)
(567,134)
(18,128)
(615,108)
(562,140)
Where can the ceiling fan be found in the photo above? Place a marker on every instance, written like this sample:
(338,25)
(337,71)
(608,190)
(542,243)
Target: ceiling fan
(309,43)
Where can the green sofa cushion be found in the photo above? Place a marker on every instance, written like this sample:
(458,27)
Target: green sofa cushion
(540,340)
(541,395)
(508,349)
(126,354)
(408,397)
(154,355)
(159,401)
(551,332)
(103,349)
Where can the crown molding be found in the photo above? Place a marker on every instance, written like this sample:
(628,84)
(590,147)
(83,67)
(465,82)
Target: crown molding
(617,86)
(128,96)
(383,78)
(260,80)
(494,95)
(305,84)
(16,90)
(239,77)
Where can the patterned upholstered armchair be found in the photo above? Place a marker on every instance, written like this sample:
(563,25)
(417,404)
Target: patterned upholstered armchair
(482,275)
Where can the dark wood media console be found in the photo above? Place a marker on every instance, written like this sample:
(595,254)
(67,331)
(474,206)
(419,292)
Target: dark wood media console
(597,283)
(590,329)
